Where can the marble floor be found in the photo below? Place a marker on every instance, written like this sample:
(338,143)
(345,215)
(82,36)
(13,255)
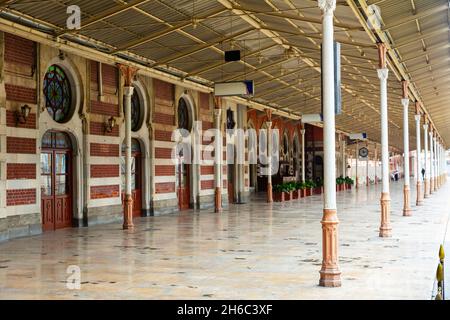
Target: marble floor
(250,251)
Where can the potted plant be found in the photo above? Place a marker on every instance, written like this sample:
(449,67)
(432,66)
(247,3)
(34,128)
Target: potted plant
(278,194)
(340,183)
(293,186)
(309,185)
(349,182)
(299,187)
(318,186)
(288,189)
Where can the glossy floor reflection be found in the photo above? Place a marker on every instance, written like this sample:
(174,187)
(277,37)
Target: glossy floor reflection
(250,251)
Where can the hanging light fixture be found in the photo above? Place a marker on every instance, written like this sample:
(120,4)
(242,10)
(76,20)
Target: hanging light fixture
(23,114)
(110,124)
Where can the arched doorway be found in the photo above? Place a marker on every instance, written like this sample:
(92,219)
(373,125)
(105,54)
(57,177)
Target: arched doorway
(136,176)
(56,181)
(184,158)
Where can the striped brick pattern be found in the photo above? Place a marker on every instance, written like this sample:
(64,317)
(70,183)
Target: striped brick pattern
(15,171)
(20,197)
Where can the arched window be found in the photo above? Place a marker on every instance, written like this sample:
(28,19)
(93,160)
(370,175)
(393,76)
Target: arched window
(136,111)
(58,94)
(183,115)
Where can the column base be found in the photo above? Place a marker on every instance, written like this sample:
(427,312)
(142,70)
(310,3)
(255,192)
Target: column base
(330,275)
(269,193)
(431,185)
(385,228)
(406,206)
(218,200)
(426,190)
(419,199)
(128,213)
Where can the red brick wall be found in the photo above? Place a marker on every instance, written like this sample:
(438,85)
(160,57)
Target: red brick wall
(11,120)
(98,128)
(162,135)
(19,50)
(104,150)
(20,197)
(104,171)
(164,90)
(22,94)
(203,100)
(20,171)
(165,187)
(163,118)
(208,184)
(102,192)
(103,108)
(94,71)
(207,170)
(165,170)
(110,75)
(163,153)
(20,145)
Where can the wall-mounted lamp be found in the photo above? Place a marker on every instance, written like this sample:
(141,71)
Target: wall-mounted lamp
(22,114)
(110,124)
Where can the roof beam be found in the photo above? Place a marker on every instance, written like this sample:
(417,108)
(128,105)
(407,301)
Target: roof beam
(137,42)
(420,15)
(201,47)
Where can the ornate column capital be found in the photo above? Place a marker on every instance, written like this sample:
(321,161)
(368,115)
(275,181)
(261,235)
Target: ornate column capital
(425,126)
(128,91)
(128,73)
(302,132)
(327,6)
(217,112)
(269,115)
(405,102)
(269,124)
(383,73)
(417,117)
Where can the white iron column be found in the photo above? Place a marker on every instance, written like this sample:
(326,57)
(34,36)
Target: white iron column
(128,74)
(303,154)
(430,136)
(419,195)
(343,163)
(269,155)
(218,157)
(426,186)
(435,169)
(357,163)
(330,275)
(128,221)
(385,227)
(406,188)
(375,158)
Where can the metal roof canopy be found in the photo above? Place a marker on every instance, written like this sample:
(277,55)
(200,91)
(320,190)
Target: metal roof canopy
(280,44)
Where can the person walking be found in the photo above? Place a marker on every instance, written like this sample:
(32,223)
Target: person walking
(423,174)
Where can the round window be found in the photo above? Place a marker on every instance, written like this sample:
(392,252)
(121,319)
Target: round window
(136,111)
(58,94)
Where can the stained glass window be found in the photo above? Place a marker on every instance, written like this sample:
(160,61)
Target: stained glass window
(135,111)
(183,115)
(58,95)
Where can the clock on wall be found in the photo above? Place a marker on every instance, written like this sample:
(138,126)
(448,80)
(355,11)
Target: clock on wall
(363,152)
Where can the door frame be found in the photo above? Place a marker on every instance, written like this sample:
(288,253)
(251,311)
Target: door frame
(70,182)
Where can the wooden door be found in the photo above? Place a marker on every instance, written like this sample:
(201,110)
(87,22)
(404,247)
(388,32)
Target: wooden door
(56,182)
(183,189)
